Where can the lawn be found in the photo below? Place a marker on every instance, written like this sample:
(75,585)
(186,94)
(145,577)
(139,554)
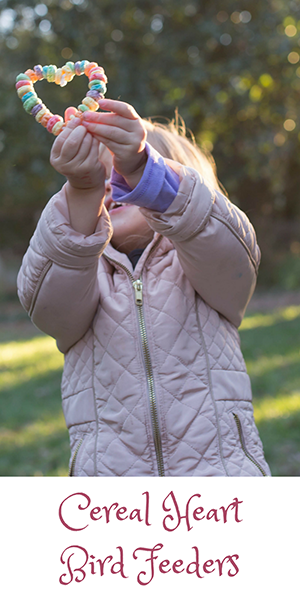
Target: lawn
(271,347)
(33,436)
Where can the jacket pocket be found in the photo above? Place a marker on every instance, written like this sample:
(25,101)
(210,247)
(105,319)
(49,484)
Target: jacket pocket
(243,444)
(82,441)
(73,460)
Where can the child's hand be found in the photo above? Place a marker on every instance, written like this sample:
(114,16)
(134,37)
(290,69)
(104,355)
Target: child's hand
(124,134)
(75,154)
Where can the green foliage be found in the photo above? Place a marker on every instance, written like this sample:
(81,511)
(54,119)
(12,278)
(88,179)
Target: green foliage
(289,273)
(232,69)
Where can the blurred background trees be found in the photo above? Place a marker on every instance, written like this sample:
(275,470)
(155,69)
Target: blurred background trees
(232,69)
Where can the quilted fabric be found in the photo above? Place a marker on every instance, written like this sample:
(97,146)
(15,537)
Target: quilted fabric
(198,274)
(239,459)
(221,339)
(82,441)
(78,368)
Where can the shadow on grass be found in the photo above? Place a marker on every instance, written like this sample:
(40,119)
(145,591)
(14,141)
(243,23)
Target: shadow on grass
(280,438)
(34,438)
(37,398)
(40,448)
(15,323)
(268,340)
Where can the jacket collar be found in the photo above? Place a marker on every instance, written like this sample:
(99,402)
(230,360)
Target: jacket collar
(114,255)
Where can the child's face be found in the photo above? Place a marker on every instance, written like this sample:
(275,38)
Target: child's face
(130,228)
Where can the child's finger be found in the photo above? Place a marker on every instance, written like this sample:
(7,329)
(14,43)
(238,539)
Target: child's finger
(108,119)
(72,124)
(62,137)
(85,148)
(92,157)
(110,133)
(96,146)
(73,143)
(121,108)
(115,148)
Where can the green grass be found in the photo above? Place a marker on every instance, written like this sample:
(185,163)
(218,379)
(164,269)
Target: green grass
(271,347)
(33,436)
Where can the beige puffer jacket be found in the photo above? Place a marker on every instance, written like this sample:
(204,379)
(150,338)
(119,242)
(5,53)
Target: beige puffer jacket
(154,380)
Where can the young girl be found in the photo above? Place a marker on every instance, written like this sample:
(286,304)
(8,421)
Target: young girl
(144,290)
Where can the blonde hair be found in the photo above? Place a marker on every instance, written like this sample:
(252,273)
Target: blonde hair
(171,141)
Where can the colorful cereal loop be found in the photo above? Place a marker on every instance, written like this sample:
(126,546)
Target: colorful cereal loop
(61,76)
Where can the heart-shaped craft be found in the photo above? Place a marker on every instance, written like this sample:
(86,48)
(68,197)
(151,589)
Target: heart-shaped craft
(34,105)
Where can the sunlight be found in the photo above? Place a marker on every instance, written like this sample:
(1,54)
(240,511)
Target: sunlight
(22,360)
(266,364)
(288,313)
(23,349)
(275,408)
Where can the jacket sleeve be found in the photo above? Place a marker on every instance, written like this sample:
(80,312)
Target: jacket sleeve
(57,282)
(215,242)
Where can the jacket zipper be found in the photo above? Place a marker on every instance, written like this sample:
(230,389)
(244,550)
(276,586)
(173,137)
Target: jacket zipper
(138,288)
(72,465)
(242,441)
(138,291)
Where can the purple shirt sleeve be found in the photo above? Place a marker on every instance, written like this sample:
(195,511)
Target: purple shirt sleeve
(157,188)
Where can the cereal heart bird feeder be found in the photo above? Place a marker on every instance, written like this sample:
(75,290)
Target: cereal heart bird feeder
(61,76)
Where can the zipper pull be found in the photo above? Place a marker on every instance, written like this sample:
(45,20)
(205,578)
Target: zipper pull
(138,289)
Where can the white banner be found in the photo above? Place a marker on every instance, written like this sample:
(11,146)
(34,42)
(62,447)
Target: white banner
(141,538)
